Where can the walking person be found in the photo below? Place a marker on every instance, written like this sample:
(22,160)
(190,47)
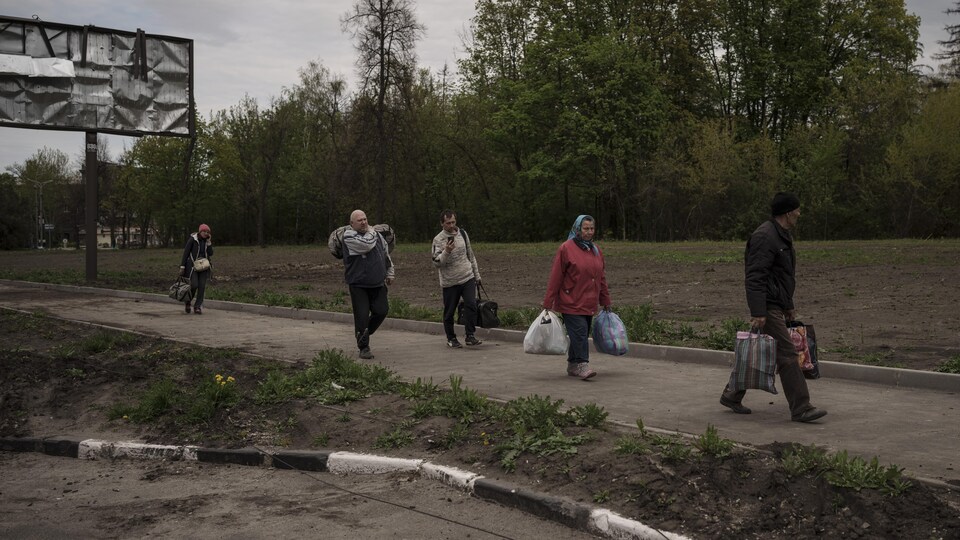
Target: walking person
(577,285)
(770,280)
(459,277)
(199,246)
(368,270)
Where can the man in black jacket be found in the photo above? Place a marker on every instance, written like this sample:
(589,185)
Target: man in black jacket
(368,270)
(770,270)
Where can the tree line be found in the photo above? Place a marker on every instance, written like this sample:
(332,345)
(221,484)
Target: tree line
(665,119)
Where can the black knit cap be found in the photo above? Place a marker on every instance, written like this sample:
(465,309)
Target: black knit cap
(783,203)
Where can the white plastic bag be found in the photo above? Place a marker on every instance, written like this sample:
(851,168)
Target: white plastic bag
(546,335)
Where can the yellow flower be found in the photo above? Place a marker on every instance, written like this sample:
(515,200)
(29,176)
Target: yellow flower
(125,417)
(231,379)
(219,377)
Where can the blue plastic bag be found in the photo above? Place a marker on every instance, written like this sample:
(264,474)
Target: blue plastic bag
(609,334)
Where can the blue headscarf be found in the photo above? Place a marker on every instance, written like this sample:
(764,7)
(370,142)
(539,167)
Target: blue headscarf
(574,235)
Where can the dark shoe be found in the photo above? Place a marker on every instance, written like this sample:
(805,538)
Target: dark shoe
(472,340)
(187,307)
(363,340)
(454,344)
(366,354)
(734,406)
(810,415)
(198,310)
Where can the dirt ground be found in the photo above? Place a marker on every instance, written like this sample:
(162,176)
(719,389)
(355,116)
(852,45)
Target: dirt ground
(56,381)
(887,303)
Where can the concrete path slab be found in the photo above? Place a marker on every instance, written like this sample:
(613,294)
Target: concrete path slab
(915,428)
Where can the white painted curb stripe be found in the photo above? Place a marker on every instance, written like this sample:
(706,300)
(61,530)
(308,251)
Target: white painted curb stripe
(450,476)
(609,524)
(95,449)
(613,525)
(349,462)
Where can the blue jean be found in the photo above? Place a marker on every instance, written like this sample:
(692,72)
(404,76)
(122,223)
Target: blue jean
(578,329)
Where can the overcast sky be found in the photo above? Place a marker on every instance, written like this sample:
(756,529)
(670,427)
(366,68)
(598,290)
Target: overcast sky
(256,47)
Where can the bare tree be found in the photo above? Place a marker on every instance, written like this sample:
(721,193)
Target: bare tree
(951,46)
(386,32)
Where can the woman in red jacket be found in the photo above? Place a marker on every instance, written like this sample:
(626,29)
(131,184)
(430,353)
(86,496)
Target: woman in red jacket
(578,284)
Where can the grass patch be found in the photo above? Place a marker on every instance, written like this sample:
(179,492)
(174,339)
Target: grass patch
(840,470)
(951,365)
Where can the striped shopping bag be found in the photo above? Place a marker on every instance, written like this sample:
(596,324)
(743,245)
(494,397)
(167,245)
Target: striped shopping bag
(609,334)
(755,364)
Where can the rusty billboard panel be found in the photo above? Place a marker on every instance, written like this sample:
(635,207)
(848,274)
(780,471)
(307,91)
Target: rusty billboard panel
(87,78)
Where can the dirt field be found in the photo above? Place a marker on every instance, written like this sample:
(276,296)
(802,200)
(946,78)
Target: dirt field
(887,303)
(64,378)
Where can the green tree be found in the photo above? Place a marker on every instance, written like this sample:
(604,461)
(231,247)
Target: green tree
(386,33)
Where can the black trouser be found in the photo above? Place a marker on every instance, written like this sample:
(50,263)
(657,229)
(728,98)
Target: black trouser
(451,299)
(369,311)
(198,285)
(791,376)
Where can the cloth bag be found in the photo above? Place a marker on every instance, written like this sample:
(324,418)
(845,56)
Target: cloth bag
(755,364)
(546,335)
(609,334)
(805,340)
(486,311)
(202,264)
(180,290)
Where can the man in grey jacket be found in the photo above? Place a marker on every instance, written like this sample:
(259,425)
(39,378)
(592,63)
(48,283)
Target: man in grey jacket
(368,270)
(770,279)
(459,278)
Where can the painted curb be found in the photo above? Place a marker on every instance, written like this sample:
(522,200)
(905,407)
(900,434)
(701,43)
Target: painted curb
(553,508)
(300,460)
(613,525)
(95,449)
(451,476)
(896,377)
(557,509)
(353,463)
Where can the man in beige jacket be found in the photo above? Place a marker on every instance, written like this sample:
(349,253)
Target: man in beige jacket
(459,277)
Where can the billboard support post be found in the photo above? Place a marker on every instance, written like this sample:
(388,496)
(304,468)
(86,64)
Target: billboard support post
(90,216)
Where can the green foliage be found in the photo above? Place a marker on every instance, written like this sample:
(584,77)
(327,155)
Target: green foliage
(398,438)
(104,341)
(711,443)
(631,445)
(332,378)
(642,327)
(212,395)
(457,434)
(461,403)
(951,365)
(724,338)
(401,309)
(589,415)
(419,389)
(601,496)
(843,471)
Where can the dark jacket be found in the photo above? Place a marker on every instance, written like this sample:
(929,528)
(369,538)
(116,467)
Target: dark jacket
(195,249)
(366,259)
(770,264)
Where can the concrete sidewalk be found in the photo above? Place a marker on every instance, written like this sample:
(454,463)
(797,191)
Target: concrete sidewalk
(910,419)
